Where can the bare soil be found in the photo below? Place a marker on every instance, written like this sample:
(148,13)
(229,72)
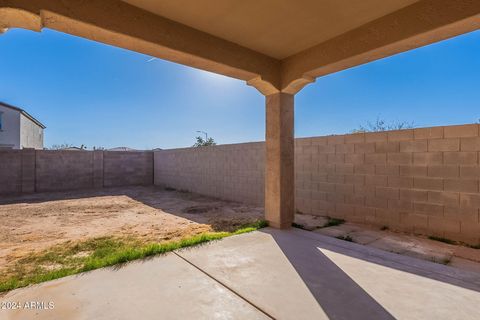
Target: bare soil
(37,222)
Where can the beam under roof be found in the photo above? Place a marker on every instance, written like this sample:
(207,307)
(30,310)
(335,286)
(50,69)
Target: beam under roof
(419,24)
(120,24)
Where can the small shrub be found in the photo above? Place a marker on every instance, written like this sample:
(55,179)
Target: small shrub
(204,142)
(381,125)
(170,189)
(384,228)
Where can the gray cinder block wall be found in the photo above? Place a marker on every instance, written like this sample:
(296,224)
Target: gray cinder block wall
(29,170)
(231,172)
(422,180)
(127,168)
(10,171)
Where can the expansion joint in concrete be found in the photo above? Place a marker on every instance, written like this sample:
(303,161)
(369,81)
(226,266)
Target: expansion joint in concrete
(224,285)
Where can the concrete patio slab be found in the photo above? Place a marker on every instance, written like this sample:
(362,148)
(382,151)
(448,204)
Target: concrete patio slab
(407,295)
(255,267)
(406,244)
(347,280)
(366,236)
(394,243)
(165,287)
(466,253)
(281,274)
(465,264)
(405,287)
(340,230)
(429,253)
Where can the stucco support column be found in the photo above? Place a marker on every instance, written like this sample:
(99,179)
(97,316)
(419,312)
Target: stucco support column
(279,161)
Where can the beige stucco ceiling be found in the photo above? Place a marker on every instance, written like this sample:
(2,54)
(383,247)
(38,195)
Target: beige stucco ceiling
(277,28)
(273,45)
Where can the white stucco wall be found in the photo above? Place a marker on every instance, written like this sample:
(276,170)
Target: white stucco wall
(31,135)
(10,132)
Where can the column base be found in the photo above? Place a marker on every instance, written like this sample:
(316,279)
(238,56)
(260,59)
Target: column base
(279,225)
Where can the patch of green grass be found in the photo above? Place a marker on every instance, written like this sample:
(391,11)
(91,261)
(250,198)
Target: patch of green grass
(259,224)
(333,222)
(104,257)
(441,239)
(72,258)
(345,238)
(17,282)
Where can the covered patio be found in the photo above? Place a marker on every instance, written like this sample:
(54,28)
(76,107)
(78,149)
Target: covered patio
(277,47)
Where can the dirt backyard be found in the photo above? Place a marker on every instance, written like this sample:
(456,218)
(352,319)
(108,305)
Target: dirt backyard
(34,223)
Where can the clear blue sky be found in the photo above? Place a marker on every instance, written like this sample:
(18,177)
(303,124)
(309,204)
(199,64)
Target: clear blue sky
(93,94)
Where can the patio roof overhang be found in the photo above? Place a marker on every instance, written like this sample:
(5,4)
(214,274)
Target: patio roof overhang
(277,46)
(274,45)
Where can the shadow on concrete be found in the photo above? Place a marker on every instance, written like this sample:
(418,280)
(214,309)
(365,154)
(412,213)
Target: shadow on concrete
(339,296)
(335,291)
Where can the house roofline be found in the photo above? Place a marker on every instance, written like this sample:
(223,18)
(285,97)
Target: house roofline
(25,113)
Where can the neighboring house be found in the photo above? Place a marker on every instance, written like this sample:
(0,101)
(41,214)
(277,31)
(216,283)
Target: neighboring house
(121,149)
(18,129)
